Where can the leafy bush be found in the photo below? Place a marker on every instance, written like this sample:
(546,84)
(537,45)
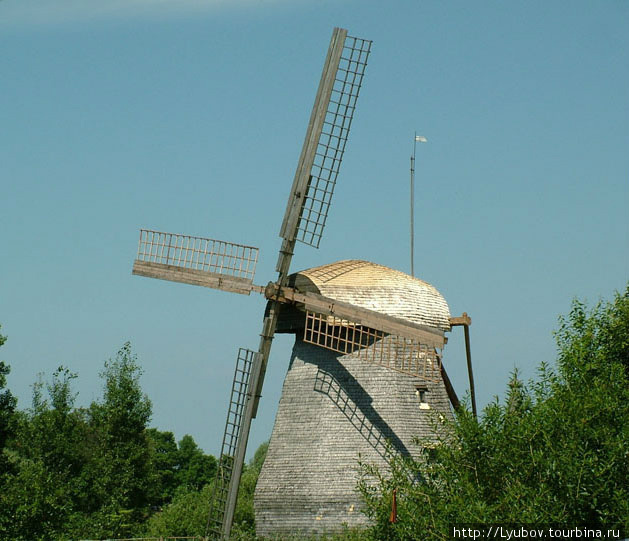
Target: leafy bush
(187,514)
(555,451)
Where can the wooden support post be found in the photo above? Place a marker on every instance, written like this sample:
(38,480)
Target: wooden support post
(465,321)
(468,355)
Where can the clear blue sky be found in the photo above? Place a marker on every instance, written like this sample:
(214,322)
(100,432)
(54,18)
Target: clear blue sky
(189,116)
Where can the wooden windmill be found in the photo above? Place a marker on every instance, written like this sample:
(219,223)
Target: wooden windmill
(346,328)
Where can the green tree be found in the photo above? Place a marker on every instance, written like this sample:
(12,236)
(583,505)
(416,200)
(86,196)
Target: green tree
(195,469)
(165,462)
(7,425)
(47,456)
(187,514)
(94,472)
(120,470)
(7,409)
(555,451)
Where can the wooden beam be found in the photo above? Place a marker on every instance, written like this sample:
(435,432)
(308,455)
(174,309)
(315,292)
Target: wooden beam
(299,188)
(461,320)
(468,356)
(454,399)
(465,321)
(193,277)
(428,336)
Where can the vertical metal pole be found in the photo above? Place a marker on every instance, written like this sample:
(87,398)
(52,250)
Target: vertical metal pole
(413,205)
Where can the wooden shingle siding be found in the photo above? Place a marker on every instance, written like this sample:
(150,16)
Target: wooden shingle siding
(379,288)
(332,410)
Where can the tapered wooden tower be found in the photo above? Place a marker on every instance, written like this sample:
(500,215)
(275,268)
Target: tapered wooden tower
(336,407)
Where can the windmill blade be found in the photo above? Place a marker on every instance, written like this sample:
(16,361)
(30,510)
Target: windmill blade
(307,208)
(196,260)
(234,445)
(324,145)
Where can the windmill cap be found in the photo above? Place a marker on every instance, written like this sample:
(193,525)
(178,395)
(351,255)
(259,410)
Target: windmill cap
(376,287)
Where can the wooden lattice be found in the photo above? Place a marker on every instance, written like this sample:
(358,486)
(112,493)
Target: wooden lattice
(398,353)
(332,140)
(198,253)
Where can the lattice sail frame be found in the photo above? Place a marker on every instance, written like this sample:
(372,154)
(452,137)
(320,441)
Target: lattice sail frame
(198,253)
(332,140)
(405,355)
(231,436)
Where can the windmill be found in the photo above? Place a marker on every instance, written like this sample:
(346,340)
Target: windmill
(328,323)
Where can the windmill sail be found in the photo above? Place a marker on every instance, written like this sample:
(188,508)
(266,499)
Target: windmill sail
(324,145)
(232,451)
(196,260)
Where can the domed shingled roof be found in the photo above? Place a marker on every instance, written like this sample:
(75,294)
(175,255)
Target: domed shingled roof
(378,288)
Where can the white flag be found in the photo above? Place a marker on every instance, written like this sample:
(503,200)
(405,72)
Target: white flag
(421,139)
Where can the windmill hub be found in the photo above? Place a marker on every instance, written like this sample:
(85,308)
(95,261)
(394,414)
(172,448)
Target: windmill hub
(271,290)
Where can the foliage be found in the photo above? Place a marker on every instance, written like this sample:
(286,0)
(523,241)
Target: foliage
(120,470)
(7,425)
(46,454)
(92,472)
(163,450)
(177,467)
(555,451)
(194,469)
(187,514)
(7,408)
(79,472)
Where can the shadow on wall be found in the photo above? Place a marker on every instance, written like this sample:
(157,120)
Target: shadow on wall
(355,404)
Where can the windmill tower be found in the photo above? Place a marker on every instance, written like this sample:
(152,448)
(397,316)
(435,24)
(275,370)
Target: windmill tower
(357,336)
(334,405)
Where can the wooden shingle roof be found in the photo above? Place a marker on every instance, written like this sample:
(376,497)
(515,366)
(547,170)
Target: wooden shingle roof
(378,288)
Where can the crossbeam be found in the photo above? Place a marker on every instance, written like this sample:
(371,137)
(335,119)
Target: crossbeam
(314,302)
(193,277)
